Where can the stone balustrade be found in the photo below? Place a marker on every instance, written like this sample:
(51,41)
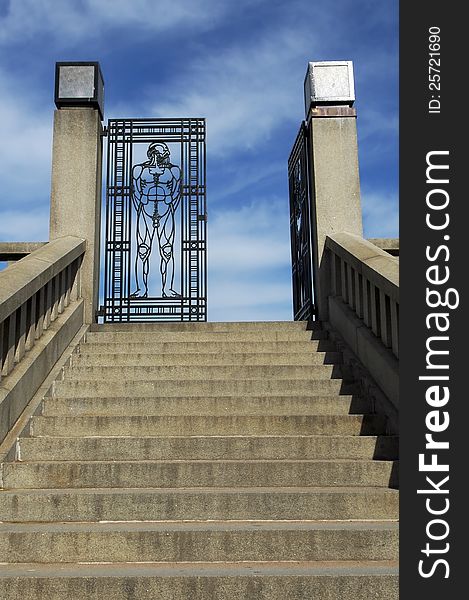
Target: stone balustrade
(40,310)
(363,306)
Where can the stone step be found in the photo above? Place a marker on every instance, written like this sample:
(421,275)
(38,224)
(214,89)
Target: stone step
(195,373)
(129,347)
(73,388)
(364,580)
(115,359)
(212,326)
(200,473)
(227,405)
(88,504)
(202,335)
(208,447)
(79,426)
(210,542)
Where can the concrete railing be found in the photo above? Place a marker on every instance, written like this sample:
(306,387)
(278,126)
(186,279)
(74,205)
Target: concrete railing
(13,251)
(389,245)
(32,295)
(363,305)
(40,310)
(367,280)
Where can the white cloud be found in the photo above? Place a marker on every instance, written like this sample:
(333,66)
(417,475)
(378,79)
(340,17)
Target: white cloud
(234,300)
(245,92)
(253,238)
(249,262)
(71,21)
(248,90)
(242,181)
(251,313)
(374,122)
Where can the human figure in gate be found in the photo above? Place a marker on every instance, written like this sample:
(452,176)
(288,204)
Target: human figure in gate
(155,195)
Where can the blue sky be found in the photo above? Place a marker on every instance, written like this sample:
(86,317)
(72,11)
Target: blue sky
(240,64)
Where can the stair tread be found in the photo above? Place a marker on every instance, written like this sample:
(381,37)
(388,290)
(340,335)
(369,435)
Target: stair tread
(222,437)
(217,490)
(200,569)
(247,404)
(292,415)
(174,526)
(220,461)
(224,398)
(92,348)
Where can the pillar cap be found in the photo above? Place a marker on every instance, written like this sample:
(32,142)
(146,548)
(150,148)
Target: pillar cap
(79,84)
(329,83)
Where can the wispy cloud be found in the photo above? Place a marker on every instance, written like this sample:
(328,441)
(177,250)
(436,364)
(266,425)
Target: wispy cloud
(246,91)
(240,64)
(249,262)
(70,21)
(232,300)
(250,239)
(380,214)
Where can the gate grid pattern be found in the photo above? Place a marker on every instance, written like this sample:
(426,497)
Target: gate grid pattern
(155,238)
(300,228)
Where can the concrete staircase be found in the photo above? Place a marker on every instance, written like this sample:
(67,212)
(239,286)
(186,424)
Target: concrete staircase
(202,461)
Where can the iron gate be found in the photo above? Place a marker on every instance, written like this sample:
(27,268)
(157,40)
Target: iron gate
(155,248)
(300,228)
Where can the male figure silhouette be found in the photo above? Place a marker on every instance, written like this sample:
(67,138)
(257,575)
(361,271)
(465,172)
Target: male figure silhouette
(156,197)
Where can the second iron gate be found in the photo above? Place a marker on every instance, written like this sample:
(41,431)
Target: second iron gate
(300,228)
(155,247)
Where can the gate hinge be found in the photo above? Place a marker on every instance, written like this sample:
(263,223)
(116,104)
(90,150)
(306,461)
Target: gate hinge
(100,312)
(203,217)
(104,132)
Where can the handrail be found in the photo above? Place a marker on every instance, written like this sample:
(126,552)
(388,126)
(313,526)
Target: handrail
(12,251)
(366,278)
(389,245)
(33,292)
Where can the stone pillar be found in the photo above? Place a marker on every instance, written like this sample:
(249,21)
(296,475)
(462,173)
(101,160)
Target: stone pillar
(75,207)
(333,151)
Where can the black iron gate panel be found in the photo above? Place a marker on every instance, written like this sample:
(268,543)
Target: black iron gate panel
(155,248)
(300,228)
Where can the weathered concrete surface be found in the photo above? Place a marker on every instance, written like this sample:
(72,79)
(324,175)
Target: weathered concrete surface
(160,335)
(189,405)
(226,581)
(389,245)
(13,251)
(17,389)
(23,279)
(208,424)
(9,447)
(218,460)
(378,360)
(375,264)
(111,374)
(335,190)
(199,473)
(193,348)
(267,327)
(208,447)
(215,541)
(156,358)
(201,387)
(203,504)
(76,190)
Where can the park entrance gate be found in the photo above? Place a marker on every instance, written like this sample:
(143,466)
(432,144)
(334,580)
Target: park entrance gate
(155,238)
